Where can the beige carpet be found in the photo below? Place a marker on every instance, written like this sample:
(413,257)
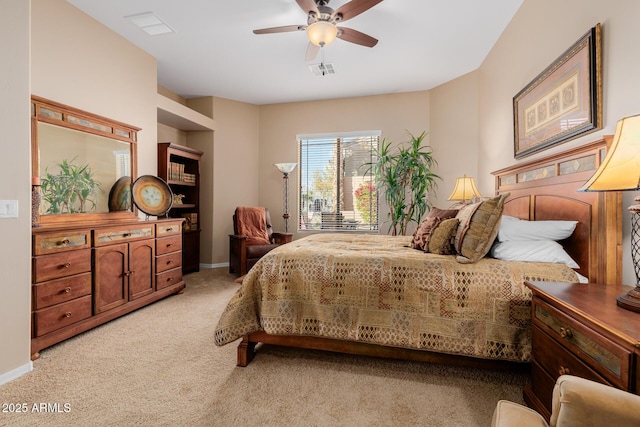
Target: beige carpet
(158,366)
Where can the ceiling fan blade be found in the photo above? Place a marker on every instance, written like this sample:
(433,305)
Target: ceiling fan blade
(353,9)
(308,6)
(283,29)
(353,36)
(312,52)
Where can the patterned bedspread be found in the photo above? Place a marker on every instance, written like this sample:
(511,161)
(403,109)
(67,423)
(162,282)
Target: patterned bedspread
(376,289)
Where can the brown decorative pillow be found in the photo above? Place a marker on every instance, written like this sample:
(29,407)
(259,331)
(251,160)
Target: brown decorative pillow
(479,225)
(423,233)
(443,213)
(441,241)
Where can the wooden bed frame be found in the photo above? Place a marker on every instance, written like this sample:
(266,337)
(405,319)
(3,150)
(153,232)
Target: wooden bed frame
(542,189)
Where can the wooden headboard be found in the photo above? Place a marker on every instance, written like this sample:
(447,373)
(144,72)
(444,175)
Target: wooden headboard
(545,189)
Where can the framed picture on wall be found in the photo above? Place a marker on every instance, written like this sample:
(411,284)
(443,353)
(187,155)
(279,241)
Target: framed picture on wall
(564,101)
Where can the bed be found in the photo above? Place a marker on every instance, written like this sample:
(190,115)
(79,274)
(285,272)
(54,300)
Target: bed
(375,295)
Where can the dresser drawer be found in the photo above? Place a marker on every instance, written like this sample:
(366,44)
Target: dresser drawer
(61,290)
(61,315)
(166,245)
(169,261)
(108,236)
(48,267)
(50,243)
(167,229)
(168,278)
(601,354)
(556,360)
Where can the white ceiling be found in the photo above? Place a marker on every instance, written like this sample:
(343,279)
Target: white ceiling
(213,52)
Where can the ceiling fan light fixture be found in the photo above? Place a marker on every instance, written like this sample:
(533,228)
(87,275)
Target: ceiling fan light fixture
(322,33)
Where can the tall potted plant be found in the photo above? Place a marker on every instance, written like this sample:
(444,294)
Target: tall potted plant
(406,178)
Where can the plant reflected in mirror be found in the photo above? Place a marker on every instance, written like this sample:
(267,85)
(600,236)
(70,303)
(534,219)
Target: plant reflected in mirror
(72,190)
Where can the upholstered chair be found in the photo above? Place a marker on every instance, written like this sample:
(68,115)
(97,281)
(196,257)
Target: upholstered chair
(253,237)
(577,402)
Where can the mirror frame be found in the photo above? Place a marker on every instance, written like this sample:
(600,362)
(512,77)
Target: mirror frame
(47,111)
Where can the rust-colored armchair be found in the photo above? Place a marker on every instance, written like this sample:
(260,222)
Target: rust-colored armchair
(253,237)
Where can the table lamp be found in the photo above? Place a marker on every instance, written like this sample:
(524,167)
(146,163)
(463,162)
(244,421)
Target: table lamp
(619,171)
(465,189)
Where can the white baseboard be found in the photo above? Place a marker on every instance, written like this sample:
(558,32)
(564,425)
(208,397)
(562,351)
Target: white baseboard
(16,373)
(220,265)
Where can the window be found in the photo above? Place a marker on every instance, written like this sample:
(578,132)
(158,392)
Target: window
(337,189)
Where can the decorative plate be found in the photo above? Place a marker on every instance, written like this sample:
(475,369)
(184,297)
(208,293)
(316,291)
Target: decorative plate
(120,195)
(152,195)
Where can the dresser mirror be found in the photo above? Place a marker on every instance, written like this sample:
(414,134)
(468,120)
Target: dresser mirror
(83,163)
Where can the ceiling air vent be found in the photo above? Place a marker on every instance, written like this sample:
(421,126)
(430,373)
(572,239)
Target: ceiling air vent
(322,69)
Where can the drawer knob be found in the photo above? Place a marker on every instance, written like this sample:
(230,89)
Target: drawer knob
(65,242)
(564,371)
(566,332)
(66,265)
(67,314)
(169,230)
(67,290)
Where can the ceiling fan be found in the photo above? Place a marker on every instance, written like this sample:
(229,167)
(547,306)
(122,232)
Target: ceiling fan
(321,25)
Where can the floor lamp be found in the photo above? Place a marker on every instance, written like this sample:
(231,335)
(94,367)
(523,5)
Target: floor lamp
(286,169)
(619,171)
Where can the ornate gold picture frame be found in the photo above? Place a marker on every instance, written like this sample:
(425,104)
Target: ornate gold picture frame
(564,101)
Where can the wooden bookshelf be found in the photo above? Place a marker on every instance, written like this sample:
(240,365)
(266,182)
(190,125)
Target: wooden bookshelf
(179,166)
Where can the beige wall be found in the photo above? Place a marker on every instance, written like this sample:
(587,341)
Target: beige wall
(393,114)
(540,32)
(15,179)
(79,62)
(236,160)
(454,130)
(171,134)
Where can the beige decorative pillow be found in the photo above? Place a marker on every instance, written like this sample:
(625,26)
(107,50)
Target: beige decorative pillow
(464,215)
(479,225)
(423,233)
(441,241)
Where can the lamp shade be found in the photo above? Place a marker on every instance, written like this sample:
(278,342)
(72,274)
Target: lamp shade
(464,189)
(322,33)
(620,169)
(285,168)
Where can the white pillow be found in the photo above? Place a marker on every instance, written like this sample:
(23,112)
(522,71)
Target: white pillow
(581,278)
(520,229)
(533,251)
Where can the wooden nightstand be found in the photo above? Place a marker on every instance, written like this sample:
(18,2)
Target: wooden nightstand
(578,329)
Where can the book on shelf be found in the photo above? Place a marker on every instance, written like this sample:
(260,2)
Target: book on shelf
(177,173)
(189,178)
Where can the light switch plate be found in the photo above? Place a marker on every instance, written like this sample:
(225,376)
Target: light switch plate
(8,209)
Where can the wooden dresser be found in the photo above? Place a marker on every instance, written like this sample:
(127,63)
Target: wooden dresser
(578,329)
(84,276)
